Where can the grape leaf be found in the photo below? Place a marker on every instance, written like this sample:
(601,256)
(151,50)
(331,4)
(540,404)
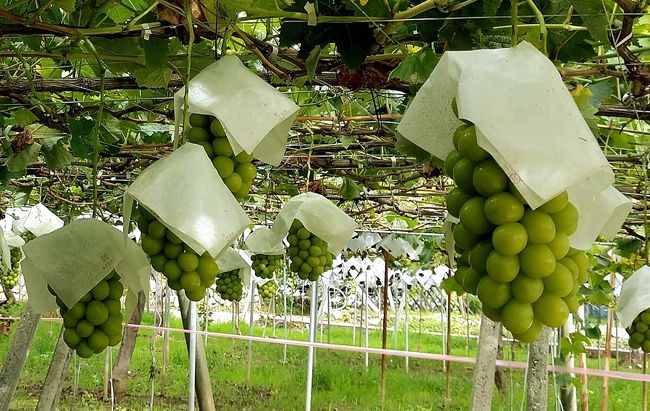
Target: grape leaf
(22,117)
(349,189)
(82,142)
(20,160)
(627,247)
(156,51)
(57,157)
(450,285)
(67,5)
(410,149)
(594,17)
(156,78)
(157,138)
(416,68)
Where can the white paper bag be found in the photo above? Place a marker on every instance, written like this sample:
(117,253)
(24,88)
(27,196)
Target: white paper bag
(398,247)
(40,220)
(363,241)
(263,241)
(231,259)
(255,116)
(75,258)
(5,255)
(601,213)
(525,118)
(186,194)
(319,216)
(635,296)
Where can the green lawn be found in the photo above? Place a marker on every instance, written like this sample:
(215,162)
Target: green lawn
(341,381)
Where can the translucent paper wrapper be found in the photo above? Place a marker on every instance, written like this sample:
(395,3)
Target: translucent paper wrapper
(229,260)
(73,259)
(398,247)
(635,296)
(39,220)
(186,194)
(319,216)
(255,116)
(263,241)
(5,255)
(524,117)
(363,241)
(601,213)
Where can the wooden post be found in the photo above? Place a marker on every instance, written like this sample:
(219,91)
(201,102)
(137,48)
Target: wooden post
(124,355)
(568,392)
(488,344)
(203,384)
(448,352)
(644,390)
(55,376)
(17,355)
(384,326)
(608,349)
(537,373)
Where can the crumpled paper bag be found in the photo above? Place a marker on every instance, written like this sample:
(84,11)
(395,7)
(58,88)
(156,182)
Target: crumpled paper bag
(39,220)
(320,216)
(398,247)
(73,259)
(263,241)
(363,241)
(635,296)
(186,194)
(524,116)
(255,116)
(231,259)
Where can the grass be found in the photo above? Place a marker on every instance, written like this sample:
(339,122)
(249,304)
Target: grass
(341,381)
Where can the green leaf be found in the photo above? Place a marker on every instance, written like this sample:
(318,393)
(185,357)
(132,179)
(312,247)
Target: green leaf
(416,68)
(311,63)
(592,332)
(157,137)
(67,5)
(627,247)
(82,142)
(349,189)
(156,51)
(347,140)
(57,157)
(22,117)
(156,78)
(20,160)
(450,285)
(591,13)
(410,149)
(582,97)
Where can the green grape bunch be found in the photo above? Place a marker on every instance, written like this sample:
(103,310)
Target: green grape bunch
(10,278)
(639,331)
(229,285)
(95,321)
(515,259)
(236,171)
(308,253)
(183,267)
(265,265)
(267,290)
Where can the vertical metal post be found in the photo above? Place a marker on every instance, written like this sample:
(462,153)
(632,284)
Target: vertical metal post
(192,377)
(313,310)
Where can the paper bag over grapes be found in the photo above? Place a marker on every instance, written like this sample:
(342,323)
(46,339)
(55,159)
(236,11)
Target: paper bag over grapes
(84,269)
(187,216)
(316,229)
(252,115)
(633,308)
(523,206)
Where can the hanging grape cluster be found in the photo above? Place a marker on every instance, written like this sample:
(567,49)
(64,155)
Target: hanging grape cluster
(515,259)
(308,253)
(183,268)
(10,278)
(639,331)
(267,290)
(236,171)
(265,265)
(229,285)
(95,321)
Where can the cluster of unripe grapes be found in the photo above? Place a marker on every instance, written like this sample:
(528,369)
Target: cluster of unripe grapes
(265,265)
(308,253)
(95,321)
(236,171)
(10,278)
(230,286)
(183,268)
(515,259)
(639,331)
(267,290)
